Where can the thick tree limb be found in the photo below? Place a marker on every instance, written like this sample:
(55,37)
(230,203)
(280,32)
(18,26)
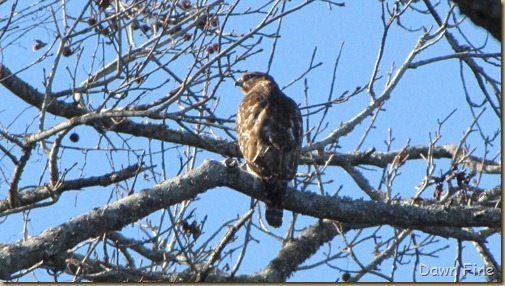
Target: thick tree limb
(296,251)
(489,261)
(52,243)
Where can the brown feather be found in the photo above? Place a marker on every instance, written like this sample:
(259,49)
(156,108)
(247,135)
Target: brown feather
(269,129)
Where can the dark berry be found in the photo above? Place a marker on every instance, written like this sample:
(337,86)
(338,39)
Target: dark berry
(67,51)
(91,21)
(74,137)
(213,22)
(185,4)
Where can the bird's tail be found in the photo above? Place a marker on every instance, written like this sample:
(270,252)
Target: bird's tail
(274,191)
(273,215)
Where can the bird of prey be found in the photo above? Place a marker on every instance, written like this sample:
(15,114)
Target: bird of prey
(269,129)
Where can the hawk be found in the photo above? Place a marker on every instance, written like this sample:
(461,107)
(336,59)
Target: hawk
(269,129)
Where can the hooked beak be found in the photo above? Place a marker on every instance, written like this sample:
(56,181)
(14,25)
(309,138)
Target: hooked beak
(239,82)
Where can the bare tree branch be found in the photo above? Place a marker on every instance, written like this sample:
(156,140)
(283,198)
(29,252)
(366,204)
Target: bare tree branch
(50,245)
(108,84)
(43,193)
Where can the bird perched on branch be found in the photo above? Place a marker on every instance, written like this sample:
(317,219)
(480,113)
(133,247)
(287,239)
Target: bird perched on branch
(269,129)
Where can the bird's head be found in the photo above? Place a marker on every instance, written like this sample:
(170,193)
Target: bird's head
(250,79)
